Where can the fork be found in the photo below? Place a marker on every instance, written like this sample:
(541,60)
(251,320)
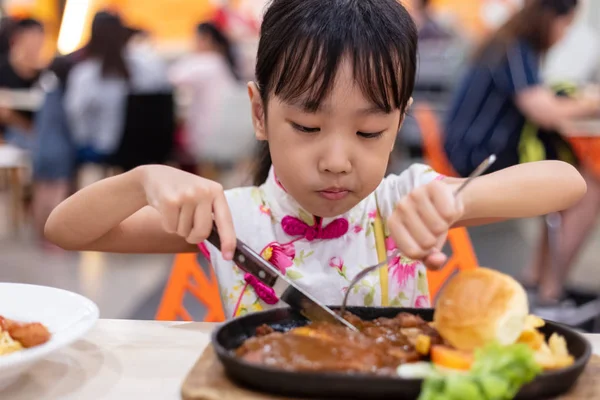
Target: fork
(478,171)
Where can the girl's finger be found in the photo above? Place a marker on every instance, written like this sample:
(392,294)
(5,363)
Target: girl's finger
(435,261)
(169,212)
(430,216)
(418,229)
(224,223)
(186,219)
(405,242)
(202,224)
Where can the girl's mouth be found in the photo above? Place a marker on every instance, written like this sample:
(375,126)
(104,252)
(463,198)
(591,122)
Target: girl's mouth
(334,193)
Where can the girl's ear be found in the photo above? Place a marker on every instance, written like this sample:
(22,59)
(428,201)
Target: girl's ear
(258,112)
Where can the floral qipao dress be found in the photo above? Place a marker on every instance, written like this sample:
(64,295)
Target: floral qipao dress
(321,255)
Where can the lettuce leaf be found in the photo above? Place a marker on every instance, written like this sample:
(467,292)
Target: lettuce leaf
(497,374)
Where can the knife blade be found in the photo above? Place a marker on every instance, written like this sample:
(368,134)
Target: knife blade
(251,262)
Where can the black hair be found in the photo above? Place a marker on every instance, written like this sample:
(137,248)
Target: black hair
(7,25)
(222,42)
(107,44)
(560,7)
(26,24)
(303,42)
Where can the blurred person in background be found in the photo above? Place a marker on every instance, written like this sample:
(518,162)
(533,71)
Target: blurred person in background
(54,154)
(141,45)
(441,55)
(427,26)
(208,76)
(498,108)
(441,51)
(139,38)
(575,60)
(20,71)
(6,26)
(98,87)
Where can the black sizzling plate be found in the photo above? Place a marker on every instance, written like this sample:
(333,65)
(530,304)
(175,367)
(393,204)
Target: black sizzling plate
(232,334)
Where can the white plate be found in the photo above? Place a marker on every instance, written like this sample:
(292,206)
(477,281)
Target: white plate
(67,315)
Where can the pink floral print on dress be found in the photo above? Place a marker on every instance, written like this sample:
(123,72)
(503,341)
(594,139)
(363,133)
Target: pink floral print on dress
(265,210)
(422,302)
(401,269)
(338,263)
(280,255)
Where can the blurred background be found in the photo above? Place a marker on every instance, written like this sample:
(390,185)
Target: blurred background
(90,88)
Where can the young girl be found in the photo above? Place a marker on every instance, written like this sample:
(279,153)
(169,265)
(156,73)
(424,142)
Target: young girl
(333,83)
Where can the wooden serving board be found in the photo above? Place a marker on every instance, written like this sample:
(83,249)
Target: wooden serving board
(207,381)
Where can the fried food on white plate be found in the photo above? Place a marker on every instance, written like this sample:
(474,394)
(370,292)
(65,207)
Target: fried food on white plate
(16,335)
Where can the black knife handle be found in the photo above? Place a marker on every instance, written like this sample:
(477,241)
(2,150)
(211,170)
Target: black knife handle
(247,259)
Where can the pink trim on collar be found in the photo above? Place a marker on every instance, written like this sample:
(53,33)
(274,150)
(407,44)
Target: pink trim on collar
(278,182)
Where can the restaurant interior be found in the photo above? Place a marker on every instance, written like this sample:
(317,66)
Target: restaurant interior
(182,287)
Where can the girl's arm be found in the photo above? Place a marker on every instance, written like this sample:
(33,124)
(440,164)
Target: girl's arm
(420,221)
(521,191)
(114,214)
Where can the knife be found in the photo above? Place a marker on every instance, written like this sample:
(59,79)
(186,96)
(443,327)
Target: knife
(251,262)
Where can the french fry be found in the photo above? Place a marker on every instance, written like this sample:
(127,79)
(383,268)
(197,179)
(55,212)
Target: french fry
(533,322)
(423,344)
(558,345)
(554,354)
(533,338)
(544,357)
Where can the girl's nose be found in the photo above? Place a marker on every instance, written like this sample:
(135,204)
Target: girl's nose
(336,160)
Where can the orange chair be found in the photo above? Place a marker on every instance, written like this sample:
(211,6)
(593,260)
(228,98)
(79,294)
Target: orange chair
(431,134)
(188,276)
(463,257)
(588,151)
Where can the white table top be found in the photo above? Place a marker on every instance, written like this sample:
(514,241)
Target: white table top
(118,359)
(122,359)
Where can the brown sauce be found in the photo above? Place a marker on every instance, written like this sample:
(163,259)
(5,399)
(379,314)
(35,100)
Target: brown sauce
(379,347)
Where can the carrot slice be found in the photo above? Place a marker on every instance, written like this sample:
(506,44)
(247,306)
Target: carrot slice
(449,358)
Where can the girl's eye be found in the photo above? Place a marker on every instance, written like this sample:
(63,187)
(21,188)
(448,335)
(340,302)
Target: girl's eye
(304,129)
(369,135)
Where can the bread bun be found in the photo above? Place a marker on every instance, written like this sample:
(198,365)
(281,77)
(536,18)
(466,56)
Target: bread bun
(480,306)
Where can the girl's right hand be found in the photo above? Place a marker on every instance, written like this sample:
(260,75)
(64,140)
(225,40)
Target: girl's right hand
(187,204)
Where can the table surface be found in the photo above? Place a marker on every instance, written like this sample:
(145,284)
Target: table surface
(122,359)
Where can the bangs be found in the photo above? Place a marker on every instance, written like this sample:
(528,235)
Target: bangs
(379,44)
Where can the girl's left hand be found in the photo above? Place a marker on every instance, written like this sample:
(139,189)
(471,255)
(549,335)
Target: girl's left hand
(421,220)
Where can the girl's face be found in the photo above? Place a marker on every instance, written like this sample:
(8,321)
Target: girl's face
(331,159)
